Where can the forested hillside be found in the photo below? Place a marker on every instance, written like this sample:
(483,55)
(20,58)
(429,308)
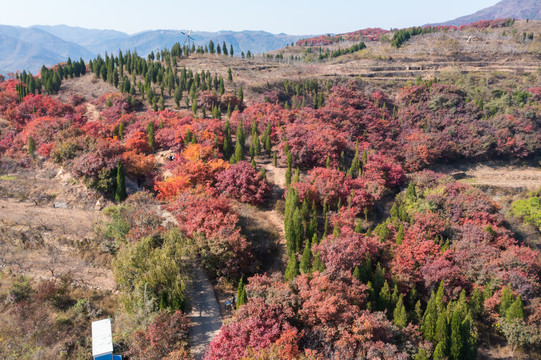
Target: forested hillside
(314,204)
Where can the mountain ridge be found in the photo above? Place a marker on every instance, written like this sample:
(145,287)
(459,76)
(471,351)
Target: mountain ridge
(518,9)
(58,42)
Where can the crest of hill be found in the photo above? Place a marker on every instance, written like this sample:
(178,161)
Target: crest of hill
(517,9)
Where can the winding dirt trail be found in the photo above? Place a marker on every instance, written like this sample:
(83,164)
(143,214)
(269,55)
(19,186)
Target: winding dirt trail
(274,217)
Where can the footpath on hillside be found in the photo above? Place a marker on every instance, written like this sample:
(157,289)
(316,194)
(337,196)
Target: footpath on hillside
(204,312)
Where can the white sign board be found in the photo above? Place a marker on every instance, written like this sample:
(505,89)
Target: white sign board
(102,339)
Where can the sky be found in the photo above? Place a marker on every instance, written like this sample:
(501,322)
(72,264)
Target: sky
(296,17)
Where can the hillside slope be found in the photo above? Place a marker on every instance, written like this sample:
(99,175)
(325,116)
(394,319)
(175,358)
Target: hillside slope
(518,9)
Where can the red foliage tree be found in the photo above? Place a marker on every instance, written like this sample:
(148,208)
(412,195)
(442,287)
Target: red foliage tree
(244,183)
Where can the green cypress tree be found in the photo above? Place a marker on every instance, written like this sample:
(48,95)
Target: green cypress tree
(410,192)
(394,297)
(506,300)
(400,235)
(292,270)
(442,331)
(288,176)
(241,135)
(242,298)
(357,273)
(439,297)
(306,260)
(120,192)
(371,293)
(400,317)
(439,352)
(121,130)
(476,303)
(428,325)
(299,229)
(150,133)
(384,297)
(469,334)
(228,142)
(378,278)
(318,263)
(31,146)
(516,310)
(417,313)
(421,354)
(163,301)
(239,152)
(241,95)
(456,350)
(394,211)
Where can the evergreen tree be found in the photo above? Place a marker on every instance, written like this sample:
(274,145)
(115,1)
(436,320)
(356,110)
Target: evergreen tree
(400,316)
(469,334)
(365,157)
(177,96)
(150,133)
(439,352)
(417,313)
(378,278)
(354,170)
(516,310)
(410,192)
(231,52)
(318,263)
(121,130)
(239,152)
(228,142)
(421,355)
(428,325)
(31,146)
(506,300)
(384,297)
(476,303)
(439,298)
(242,298)
(306,260)
(400,235)
(120,192)
(292,270)
(229,75)
(241,95)
(456,351)
(288,176)
(298,229)
(357,273)
(241,135)
(442,331)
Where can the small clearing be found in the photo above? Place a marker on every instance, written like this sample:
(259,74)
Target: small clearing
(503,176)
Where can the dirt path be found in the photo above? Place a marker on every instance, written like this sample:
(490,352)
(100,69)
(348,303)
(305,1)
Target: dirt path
(204,313)
(526,177)
(272,218)
(205,310)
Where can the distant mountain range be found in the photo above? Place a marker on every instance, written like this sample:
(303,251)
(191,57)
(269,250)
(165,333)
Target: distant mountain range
(30,48)
(517,9)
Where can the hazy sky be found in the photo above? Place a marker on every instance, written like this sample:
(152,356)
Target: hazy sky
(292,16)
